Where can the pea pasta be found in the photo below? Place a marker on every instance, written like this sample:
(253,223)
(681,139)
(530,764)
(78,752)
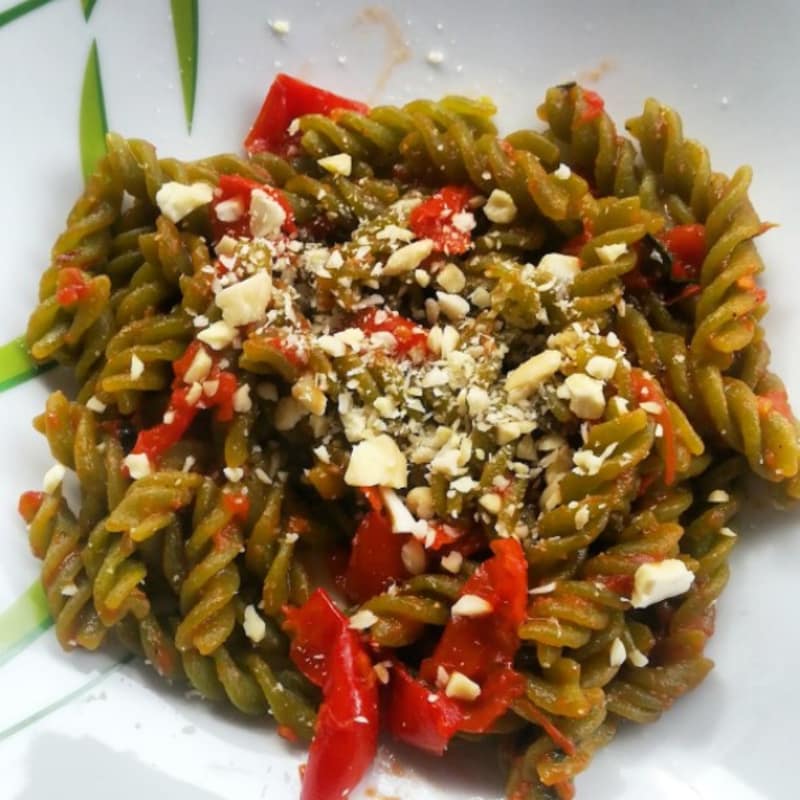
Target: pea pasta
(506,387)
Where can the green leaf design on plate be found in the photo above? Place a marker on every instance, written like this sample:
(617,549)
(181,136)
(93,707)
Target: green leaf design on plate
(93,124)
(20,10)
(16,365)
(88,7)
(23,621)
(185,23)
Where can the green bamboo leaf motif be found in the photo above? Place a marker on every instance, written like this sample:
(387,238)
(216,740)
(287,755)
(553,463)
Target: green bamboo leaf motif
(93,124)
(88,7)
(20,10)
(16,365)
(185,23)
(23,621)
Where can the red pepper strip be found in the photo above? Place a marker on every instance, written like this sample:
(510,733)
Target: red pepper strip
(410,337)
(331,655)
(476,645)
(687,246)
(593,106)
(29,505)
(776,400)
(155,441)
(375,558)
(287,99)
(416,718)
(498,691)
(237,504)
(315,628)
(433,219)
(346,735)
(71,286)
(645,389)
(240,189)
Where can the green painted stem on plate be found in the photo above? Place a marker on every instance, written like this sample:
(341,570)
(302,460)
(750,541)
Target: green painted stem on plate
(16,365)
(88,7)
(63,701)
(93,122)
(185,24)
(20,10)
(23,621)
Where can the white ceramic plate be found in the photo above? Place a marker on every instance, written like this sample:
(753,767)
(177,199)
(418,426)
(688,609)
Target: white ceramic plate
(85,727)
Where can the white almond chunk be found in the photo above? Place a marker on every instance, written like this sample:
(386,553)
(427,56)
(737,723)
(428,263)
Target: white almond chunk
(617,654)
(460,687)
(562,268)
(254,626)
(69,590)
(403,521)
(601,367)
(657,581)
(362,620)
(638,658)
(452,562)
(420,502)
(218,335)
(435,335)
(281,27)
(463,485)
(377,462)
(386,407)
(450,340)
(394,233)
(412,554)
(226,246)
(332,346)
(471,605)
(340,164)
(194,394)
(53,477)
(530,375)
(352,337)
(288,413)
(587,400)
(545,588)
(233,474)
(210,388)
(229,211)
(464,221)
(491,502)
(719,496)
(609,253)
(96,405)
(138,465)
(500,207)
(725,531)
(481,298)
(563,172)
(477,400)
(266,214)
(408,258)
(137,367)
(241,399)
(451,279)
(381,670)
(651,407)
(199,368)
(453,306)
(246,302)
(422,278)
(177,200)
(581,518)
